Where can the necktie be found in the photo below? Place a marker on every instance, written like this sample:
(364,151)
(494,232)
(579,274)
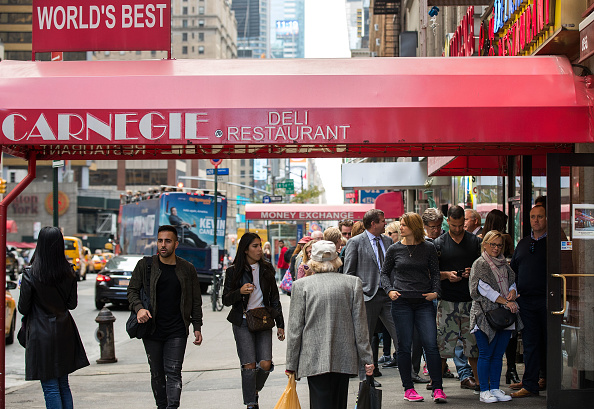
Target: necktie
(380,253)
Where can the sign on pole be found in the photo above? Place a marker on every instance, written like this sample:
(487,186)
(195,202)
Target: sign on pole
(216,162)
(220,171)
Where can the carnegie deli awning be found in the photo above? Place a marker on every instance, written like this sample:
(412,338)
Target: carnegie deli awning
(306,212)
(292,108)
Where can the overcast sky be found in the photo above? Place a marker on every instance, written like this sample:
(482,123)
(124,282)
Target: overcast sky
(326,37)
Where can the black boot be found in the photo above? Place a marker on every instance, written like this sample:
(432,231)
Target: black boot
(511,376)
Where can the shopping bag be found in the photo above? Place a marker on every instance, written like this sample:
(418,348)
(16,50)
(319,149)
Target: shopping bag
(369,397)
(289,399)
(287,282)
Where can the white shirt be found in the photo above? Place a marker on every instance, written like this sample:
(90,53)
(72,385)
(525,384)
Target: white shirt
(256,299)
(372,238)
(487,291)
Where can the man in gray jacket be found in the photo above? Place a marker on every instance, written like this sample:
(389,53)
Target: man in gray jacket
(363,257)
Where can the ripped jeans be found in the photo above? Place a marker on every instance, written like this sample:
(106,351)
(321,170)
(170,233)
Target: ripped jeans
(165,360)
(253,347)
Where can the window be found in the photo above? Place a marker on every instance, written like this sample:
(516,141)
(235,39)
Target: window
(184,36)
(200,50)
(200,23)
(185,49)
(193,49)
(201,10)
(184,23)
(192,35)
(200,36)
(185,11)
(153,53)
(242,173)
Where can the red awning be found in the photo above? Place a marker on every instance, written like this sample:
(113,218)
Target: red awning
(479,165)
(305,212)
(21,245)
(292,108)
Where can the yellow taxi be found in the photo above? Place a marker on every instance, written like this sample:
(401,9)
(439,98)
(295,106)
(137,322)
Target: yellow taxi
(10,320)
(73,249)
(99,260)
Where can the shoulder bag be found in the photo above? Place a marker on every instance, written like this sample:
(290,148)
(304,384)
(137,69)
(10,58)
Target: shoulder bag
(133,327)
(500,318)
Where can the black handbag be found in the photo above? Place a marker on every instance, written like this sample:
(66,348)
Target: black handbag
(499,318)
(134,328)
(369,397)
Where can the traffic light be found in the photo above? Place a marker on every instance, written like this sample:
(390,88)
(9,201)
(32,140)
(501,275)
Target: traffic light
(2,186)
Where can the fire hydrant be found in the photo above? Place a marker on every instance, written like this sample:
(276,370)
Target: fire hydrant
(105,336)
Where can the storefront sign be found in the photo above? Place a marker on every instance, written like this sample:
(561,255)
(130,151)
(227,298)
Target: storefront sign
(97,25)
(25,205)
(587,37)
(462,43)
(514,28)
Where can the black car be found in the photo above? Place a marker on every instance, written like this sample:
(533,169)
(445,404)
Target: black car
(112,282)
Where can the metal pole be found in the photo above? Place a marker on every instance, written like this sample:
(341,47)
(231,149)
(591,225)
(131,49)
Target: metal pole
(216,202)
(3,213)
(55,190)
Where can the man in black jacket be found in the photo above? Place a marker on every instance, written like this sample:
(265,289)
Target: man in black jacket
(530,264)
(175,290)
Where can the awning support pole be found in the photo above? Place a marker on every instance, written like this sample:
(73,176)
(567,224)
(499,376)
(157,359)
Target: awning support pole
(3,213)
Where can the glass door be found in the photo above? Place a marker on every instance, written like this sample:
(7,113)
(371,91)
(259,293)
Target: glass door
(570,265)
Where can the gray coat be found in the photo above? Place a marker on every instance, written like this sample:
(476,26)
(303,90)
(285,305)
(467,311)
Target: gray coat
(327,328)
(482,271)
(360,261)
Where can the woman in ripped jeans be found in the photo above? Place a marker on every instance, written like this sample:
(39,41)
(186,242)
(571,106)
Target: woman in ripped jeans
(250,283)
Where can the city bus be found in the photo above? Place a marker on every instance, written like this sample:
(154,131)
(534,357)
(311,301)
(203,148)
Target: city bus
(191,214)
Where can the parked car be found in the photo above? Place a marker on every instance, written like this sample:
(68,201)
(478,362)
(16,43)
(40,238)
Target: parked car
(10,323)
(99,260)
(73,248)
(112,282)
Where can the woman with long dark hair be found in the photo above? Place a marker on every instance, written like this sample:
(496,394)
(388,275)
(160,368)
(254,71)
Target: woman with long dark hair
(53,345)
(250,283)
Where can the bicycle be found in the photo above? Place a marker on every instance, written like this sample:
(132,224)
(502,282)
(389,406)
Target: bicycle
(216,293)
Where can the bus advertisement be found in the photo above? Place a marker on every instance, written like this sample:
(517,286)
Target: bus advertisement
(193,217)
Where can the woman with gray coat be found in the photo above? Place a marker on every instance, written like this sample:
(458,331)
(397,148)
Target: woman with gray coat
(492,284)
(327,338)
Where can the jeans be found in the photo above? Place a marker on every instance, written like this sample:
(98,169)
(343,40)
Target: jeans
(462,366)
(419,314)
(253,347)
(165,360)
(534,337)
(490,360)
(57,393)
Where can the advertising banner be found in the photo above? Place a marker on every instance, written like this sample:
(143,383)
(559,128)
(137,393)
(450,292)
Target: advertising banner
(101,25)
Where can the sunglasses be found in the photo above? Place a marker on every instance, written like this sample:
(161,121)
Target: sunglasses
(389,233)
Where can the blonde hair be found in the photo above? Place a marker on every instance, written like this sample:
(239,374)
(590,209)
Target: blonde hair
(324,266)
(305,258)
(492,235)
(394,226)
(333,234)
(415,223)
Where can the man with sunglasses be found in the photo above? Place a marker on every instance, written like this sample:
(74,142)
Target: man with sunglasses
(530,264)
(345,226)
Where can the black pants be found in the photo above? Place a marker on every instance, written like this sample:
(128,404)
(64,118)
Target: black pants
(328,391)
(165,360)
(534,337)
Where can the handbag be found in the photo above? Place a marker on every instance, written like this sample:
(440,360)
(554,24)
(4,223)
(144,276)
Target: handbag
(369,397)
(287,282)
(259,319)
(134,328)
(22,334)
(289,399)
(500,318)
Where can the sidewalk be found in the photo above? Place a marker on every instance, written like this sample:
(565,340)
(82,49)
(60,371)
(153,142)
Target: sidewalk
(212,379)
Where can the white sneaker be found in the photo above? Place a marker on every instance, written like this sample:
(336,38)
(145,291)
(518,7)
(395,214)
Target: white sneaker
(488,397)
(500,395)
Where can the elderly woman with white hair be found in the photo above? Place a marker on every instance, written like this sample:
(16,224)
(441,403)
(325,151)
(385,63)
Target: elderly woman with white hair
(327,331)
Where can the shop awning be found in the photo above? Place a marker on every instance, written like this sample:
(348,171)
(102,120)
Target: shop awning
(21,245)
(292,108)
(478,165)
(305,212)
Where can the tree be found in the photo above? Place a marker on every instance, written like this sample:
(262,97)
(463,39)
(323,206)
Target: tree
(306,195)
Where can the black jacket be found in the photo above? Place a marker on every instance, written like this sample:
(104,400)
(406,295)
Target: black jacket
(54,347)
(238,301)
(191,298)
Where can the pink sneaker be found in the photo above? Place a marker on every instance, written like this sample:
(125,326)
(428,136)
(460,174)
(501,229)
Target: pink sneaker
(439,396)
(412,396)
(425,371)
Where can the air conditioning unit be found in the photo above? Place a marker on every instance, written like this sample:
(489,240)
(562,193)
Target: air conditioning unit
(377,42)
(376,27)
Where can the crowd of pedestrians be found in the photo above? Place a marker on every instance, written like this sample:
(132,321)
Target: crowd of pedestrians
(436,289)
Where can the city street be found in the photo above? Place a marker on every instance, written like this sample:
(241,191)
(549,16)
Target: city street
(211,374)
